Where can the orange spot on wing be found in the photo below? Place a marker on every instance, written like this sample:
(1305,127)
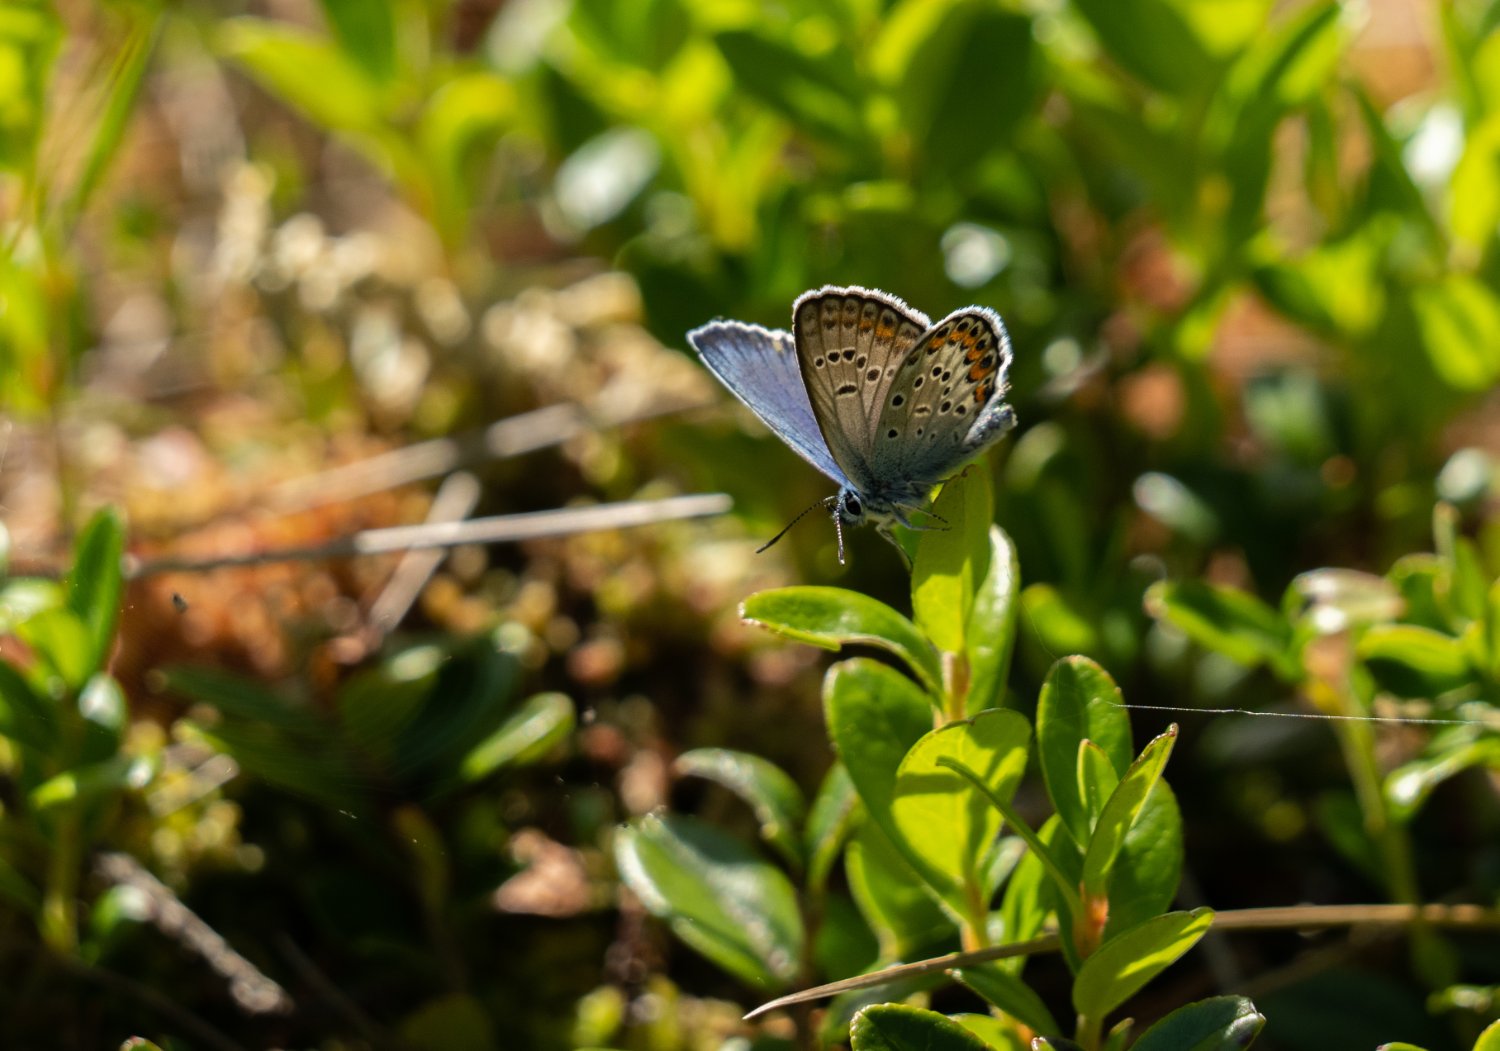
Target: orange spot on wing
(979,372)
(884,331)
(935,344)
(973,354)
(982,394)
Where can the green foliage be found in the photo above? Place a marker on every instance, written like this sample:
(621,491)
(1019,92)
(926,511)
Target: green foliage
(928,858)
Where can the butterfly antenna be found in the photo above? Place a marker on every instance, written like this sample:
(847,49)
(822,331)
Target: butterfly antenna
(838,530)
(826,501)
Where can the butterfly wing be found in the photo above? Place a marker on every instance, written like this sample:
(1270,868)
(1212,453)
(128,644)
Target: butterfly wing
(850,343)
(946,402)
(759,366)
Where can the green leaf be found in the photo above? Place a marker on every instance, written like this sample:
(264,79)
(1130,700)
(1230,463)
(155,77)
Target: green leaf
(897,1027)
(1006,991)
(62,644)
(463,120)
(991,632)
(1121,811)
(1226,620)
(1026,902)
(975,59)
(817,95)
(947,825)
(998,1034)
(1415,662)
(1458,319)
(1149,869)
(874,715)
(101,703)
(1079,702)
(835,811)
(765,787)
(366,31)
(1125,963)
(85,783)
(718,896)
(1489,1040)
(906,919)
(376,705)
(1222,1023)
(95,582)
(25,716)
(451,1021)
(831,618)
(1097,779)
(537,726)
(1152,40)
(305,71)
(1408,786)
(952,560)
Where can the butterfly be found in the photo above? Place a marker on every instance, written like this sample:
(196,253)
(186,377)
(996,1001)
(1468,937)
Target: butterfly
(871,393)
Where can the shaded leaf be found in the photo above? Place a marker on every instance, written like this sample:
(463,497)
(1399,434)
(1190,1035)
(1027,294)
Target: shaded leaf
(718,896)
(1225,620)
(1006,991)
(1221,1023)
(765,787)
(1079,702)
(897,1027)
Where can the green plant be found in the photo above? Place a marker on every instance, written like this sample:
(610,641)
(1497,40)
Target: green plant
(928,767)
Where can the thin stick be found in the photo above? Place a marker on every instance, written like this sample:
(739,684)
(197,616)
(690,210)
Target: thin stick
(495,530)
(420,461)
(1296,917)
(455,500)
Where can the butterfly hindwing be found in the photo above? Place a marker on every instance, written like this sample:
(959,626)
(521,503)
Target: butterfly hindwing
(850,342)
(946,402)
(759,366)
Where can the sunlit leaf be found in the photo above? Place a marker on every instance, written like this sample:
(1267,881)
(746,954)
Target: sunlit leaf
(904,915)
(537,726)
(1079,702)
(835,617)
(1225,620)
(1125,963)
(991,631)
(1007,992)
(952,560)
(897,1027)
(1121,811)
(96,581)
(874,714)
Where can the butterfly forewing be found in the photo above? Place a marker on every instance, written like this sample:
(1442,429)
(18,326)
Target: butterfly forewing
(760,367)
(945,403)
(850,343)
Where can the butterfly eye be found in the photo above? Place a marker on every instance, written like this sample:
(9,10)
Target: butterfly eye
(853,506)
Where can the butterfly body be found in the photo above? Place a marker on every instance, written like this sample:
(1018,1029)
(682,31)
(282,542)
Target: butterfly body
(871,392)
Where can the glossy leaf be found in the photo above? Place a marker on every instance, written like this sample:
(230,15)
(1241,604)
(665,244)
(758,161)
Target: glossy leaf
(1121,811)
(1146,876)
(952,560)
(102,706)
(874,714)
(1079,702)
(1459,322)
(537,726)
(998,1034)
(831,618)
(1125,963)
(1097,779)
(717,894)
(991,632)
(1489,1040)
(773,796)
(88,782)
(898,1027)
(947,825)
(1222,1023)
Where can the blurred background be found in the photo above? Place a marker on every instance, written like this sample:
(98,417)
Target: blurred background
(1247,254)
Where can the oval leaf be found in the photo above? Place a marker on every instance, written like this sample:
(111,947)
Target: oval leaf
(764,786)
(831,618)
(1079,702)
(1415,662)
(991,634)
(1126,962)
(537,726)
(1121,811)
(952,559)
(947,825)
(897,1027)
(874,714)
(1222,1023)
(719,896)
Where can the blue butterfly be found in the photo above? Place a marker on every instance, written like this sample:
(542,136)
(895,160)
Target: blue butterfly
(871,393)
